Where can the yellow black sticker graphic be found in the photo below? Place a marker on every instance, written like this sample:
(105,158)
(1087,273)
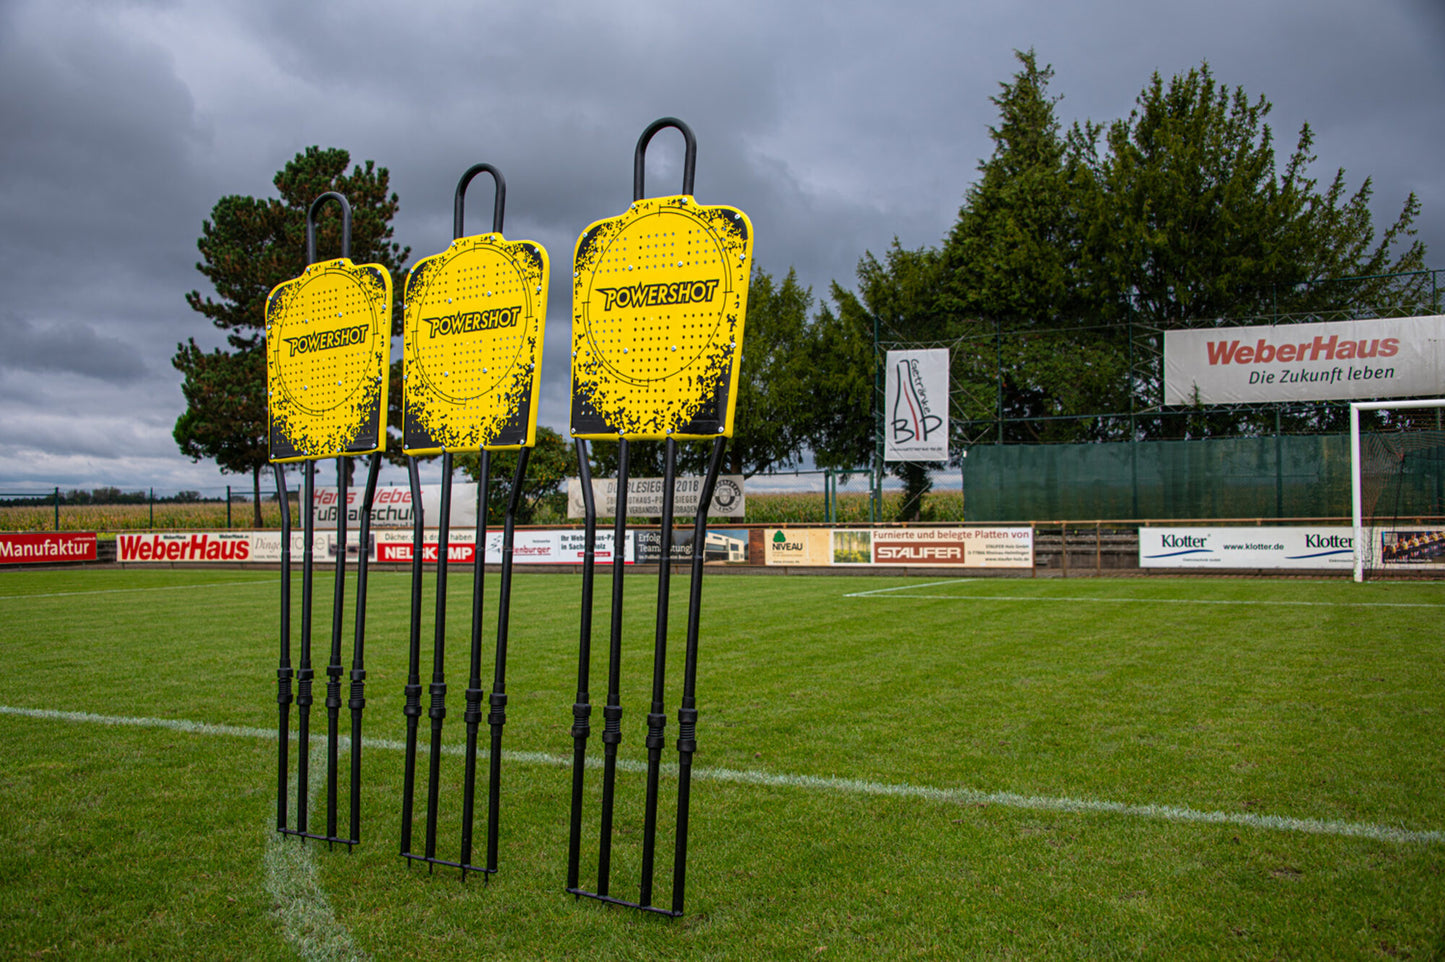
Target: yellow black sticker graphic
(328,339)
(475,321)
(658,303)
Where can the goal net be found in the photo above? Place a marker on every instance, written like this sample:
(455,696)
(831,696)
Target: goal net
(1397,455)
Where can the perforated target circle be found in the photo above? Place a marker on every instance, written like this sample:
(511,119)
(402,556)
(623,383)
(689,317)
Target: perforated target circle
(655,302)
(472,325)
(325,347)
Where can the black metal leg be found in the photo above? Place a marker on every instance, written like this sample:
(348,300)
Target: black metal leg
(612,711)
(283,673)
(438,688)
(305,674)
(358,648)
(687,714)
(656,720)
(473,716)
(333,666)
(497,717)
(582,707)
(412,710)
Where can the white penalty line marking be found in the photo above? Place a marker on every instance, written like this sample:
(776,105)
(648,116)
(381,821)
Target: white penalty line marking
(848,786)
(878,592)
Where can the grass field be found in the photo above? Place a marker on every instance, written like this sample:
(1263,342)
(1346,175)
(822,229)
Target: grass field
(890,768)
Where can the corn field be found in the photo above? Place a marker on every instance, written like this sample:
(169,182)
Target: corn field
(771,508)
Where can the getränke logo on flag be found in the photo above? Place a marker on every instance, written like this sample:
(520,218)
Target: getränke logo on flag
(916,416)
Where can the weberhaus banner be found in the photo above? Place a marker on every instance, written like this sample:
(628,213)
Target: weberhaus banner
(1339,360)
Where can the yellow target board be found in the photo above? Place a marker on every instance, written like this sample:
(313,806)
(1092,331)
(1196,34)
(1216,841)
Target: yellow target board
(475,319)
(658,303)
(328,339)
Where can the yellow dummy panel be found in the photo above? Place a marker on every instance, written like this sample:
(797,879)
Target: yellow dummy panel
(475,319)
(659,297)
(328,340)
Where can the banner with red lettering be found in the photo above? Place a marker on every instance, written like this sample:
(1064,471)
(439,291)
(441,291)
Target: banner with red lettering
(47,548)
(1339,360)
(391,547)
(935,547)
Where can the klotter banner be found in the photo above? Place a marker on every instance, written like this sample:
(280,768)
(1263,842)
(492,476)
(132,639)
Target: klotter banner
(1303,547)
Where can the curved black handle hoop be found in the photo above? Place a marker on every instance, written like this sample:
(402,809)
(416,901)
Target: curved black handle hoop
(689,161)
(499,206)
(311,225)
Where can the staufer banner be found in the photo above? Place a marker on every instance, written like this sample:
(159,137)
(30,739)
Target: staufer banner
(1337,360)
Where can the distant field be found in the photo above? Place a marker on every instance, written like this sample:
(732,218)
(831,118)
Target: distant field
(891,768)
(773,508)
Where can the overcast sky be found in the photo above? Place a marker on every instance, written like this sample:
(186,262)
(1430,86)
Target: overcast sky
(836,125)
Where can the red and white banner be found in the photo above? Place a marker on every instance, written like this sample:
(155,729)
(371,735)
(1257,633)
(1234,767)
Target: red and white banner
(21,549)
(390,547)
(1379,357)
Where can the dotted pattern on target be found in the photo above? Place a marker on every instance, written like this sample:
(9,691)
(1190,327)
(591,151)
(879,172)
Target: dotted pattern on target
(328,338)
(475,320)
(658,307)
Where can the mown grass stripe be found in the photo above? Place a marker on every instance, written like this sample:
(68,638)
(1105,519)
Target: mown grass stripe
(848,786)
(126,591)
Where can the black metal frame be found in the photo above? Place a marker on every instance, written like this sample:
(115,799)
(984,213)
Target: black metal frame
(304,673)
(497,700)
(612,711)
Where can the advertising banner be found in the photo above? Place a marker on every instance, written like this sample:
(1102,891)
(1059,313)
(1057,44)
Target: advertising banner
(209,546)
(935,547)
(391,506)
(798,546)
(1304,547)
(644,497)
(1338,360)
(20,549)
(528,547)
(916,389)
(1411,547)
(392,547)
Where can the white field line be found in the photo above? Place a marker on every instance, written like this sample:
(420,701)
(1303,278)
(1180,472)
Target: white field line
(298,903)
(931,584)
(843,786)
(126,591)
(1143,601)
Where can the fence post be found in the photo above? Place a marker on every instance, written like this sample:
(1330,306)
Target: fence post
(153,508)
(57,508)
(228,507)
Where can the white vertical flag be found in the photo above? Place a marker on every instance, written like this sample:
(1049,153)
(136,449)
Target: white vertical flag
(915,415)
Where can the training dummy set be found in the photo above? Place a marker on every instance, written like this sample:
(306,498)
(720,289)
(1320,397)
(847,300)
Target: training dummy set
(658,308)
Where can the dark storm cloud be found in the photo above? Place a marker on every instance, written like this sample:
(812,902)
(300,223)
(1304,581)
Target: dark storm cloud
(73,348)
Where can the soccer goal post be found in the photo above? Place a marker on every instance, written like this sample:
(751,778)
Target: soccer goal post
(1397,485)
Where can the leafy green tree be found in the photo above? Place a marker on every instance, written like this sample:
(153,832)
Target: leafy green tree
(225,416)
(248,246)
(1189,217)
(898,298)
(1010,281)
(548,466)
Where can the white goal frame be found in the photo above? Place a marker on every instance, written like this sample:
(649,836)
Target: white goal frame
(1356,494)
